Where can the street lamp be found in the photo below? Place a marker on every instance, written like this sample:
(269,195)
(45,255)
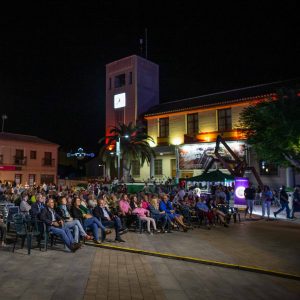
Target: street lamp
(4,117)
(177,143)
(118,152)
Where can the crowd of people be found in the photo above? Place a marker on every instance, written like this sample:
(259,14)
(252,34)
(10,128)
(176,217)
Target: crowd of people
(79,214)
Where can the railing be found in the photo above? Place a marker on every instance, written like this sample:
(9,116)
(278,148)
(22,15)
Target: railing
(163,141)
(234,134)
(20,160)
(48,162)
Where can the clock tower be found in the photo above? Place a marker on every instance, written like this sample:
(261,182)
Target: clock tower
(132,87)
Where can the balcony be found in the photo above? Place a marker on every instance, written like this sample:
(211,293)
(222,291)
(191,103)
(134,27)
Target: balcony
(48,162)
(1,159)
(163,141)
(231,135)
(20,160)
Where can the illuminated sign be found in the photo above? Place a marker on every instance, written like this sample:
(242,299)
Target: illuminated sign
(198,156)
(240,184)
(120,100)
(7,168)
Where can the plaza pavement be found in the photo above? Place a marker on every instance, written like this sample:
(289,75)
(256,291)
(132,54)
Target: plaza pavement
(95,273)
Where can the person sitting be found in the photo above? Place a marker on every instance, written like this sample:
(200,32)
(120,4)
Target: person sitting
(75,225)
(82,214)
(37,207)
(158,215)
(166,206)
(202,207)
(24,205)
(125,211)
(108,219)
(55,226)
(145,202)
(144,214)
(133,202)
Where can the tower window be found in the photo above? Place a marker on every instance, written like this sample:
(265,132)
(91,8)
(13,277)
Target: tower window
(120,80)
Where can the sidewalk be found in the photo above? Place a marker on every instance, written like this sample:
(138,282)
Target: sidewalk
(95,273)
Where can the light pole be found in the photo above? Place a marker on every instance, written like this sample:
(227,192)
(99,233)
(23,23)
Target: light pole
(118,152)
(4,117)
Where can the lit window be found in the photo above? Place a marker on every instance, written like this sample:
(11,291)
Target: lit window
(192,124)
(164,127)
(224,119)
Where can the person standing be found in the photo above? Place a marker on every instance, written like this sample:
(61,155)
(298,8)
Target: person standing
(284,202)
(266,199)
(250,197)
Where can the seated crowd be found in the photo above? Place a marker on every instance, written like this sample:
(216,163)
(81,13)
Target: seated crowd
(85,215)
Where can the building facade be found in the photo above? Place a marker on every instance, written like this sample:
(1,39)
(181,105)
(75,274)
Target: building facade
(27,159)
(185,133)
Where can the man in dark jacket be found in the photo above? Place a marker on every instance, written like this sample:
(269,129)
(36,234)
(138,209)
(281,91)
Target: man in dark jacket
(108,219)
(284,202)
(55,225)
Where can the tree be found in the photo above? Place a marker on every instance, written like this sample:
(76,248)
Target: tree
(273,129)
(135,147)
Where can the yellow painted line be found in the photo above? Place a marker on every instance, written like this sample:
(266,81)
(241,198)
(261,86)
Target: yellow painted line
(198,260)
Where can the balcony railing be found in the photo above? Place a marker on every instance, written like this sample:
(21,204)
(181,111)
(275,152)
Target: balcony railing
(20,160)
(48,162)
(233,134)
(1,159)
(163,141)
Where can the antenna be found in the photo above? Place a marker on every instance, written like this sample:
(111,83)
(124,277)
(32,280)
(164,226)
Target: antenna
(141,46)
(146,42)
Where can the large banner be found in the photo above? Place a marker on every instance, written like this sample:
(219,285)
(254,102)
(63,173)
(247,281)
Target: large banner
(240,184)
(198,156)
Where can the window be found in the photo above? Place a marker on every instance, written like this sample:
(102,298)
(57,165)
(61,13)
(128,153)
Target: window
(1,159)
(47,159)
(268,169)
(224,119)
(120,80)
(31,179)
(158,167)
(192,124)
(32,154)
(136,168)
(19,153)
(130,78)
(164,127)
(18,178)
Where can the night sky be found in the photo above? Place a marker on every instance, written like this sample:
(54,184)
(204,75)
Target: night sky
(52,57)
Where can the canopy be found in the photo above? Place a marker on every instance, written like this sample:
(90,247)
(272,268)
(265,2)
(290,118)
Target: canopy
(214,176)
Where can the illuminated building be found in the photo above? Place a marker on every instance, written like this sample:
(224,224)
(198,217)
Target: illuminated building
(27,159)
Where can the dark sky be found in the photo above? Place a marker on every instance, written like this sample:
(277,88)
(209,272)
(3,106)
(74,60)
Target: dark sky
(52,57)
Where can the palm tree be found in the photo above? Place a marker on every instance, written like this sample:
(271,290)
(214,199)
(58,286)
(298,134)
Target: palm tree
(134,147)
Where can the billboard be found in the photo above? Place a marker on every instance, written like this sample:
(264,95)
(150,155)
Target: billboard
(198,156)
(240,183)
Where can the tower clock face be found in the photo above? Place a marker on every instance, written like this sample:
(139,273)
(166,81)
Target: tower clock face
(120,100)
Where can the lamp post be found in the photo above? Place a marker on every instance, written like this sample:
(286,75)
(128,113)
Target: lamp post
(4,117)
(118,152)
(177,143)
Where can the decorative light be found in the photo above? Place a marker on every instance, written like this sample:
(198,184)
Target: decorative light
(80,154)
